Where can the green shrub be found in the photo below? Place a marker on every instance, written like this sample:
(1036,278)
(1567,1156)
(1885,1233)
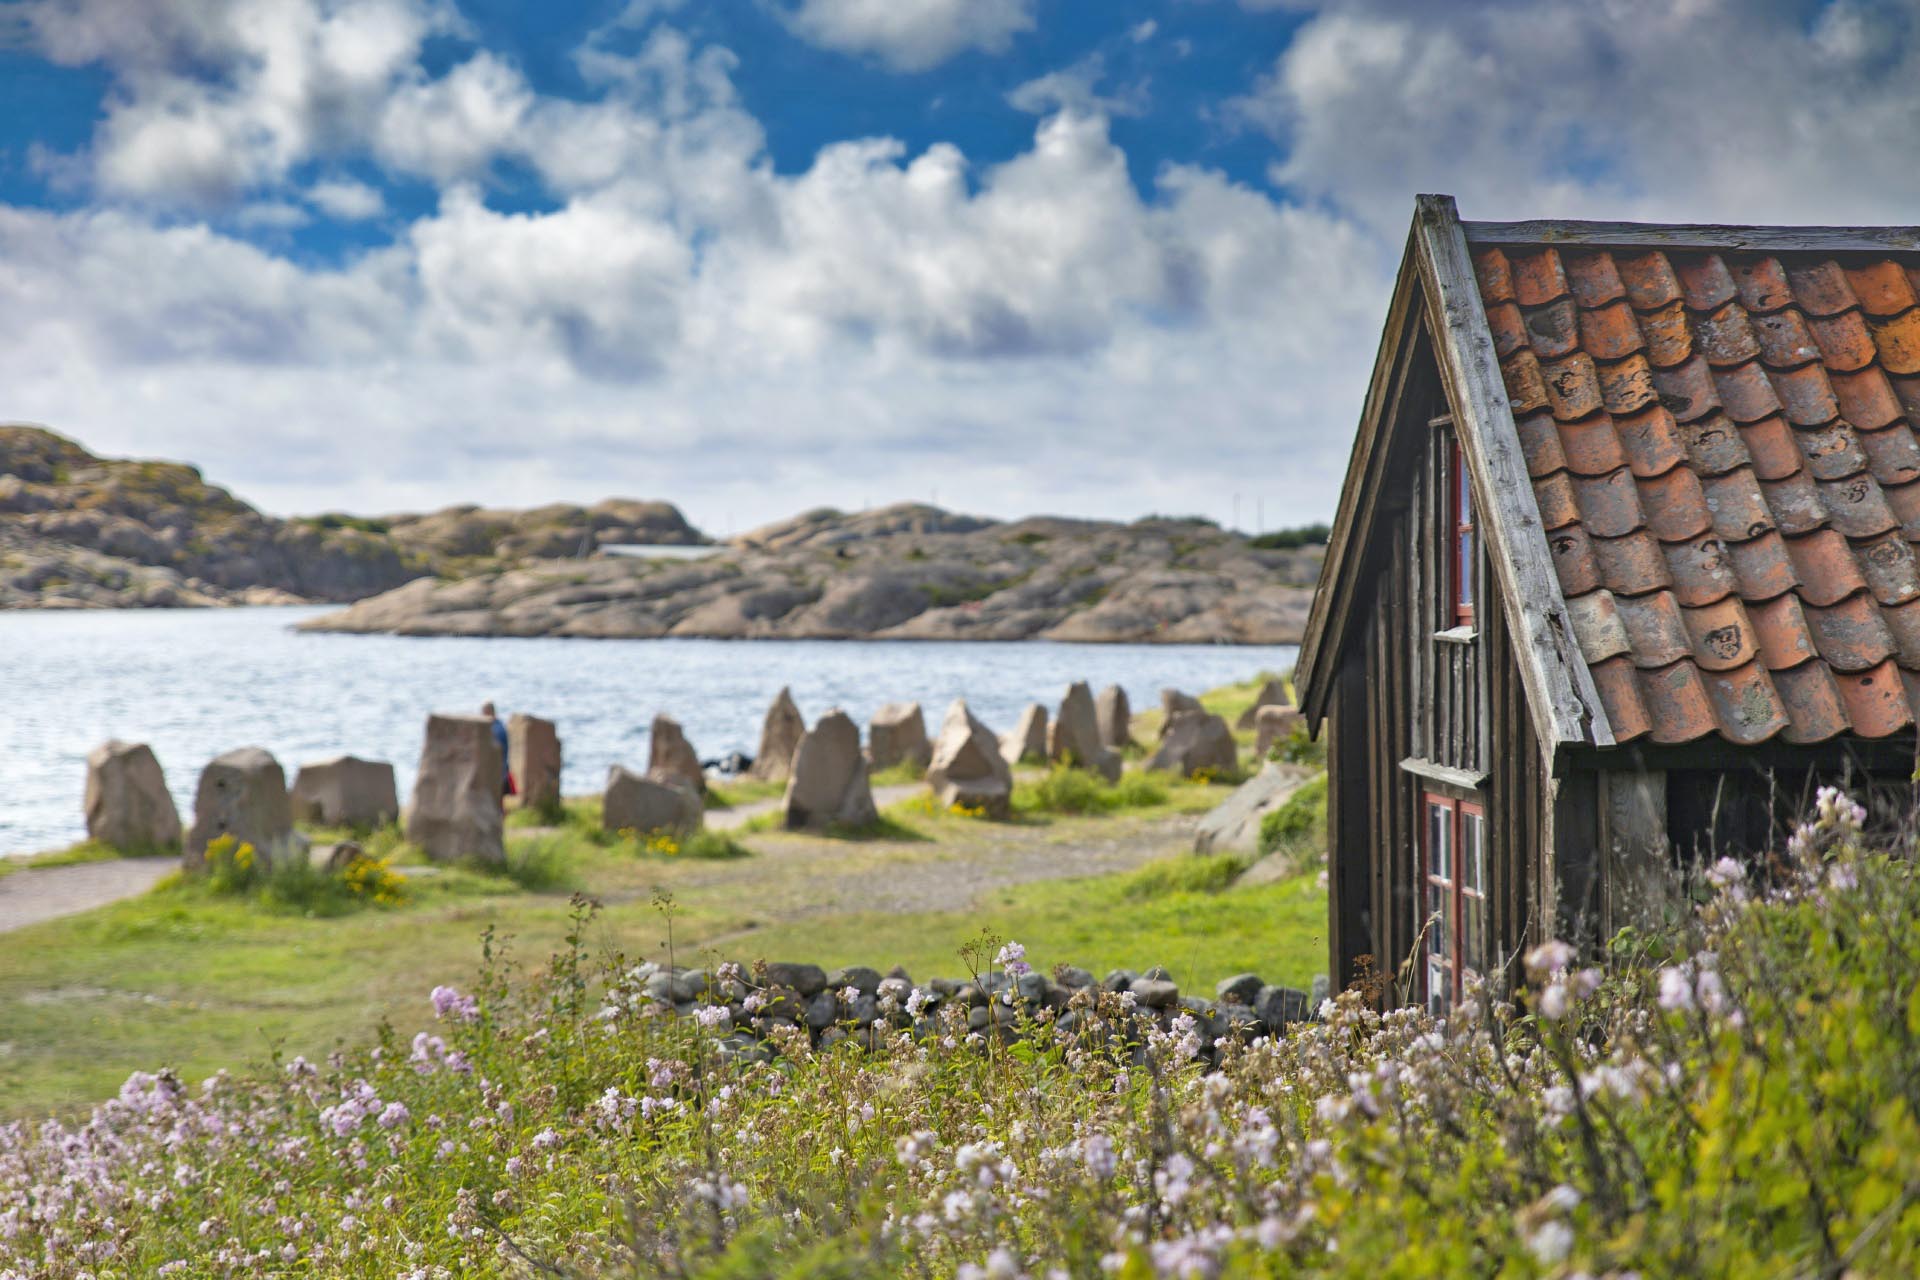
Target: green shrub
(1297,820)
(234,868)
(1309,535)
(1298,748)
(1077,791)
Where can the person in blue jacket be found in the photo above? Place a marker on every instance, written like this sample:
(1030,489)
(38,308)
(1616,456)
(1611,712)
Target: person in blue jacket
(500,740)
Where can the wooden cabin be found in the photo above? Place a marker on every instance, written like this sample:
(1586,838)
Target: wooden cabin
(1622,569)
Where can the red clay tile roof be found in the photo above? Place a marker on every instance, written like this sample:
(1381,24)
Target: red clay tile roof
(1722,456)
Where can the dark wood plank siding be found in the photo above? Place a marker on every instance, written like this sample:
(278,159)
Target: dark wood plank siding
(1518,794)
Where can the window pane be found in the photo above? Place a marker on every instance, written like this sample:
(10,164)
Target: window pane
(1473,857)
(1439,987)
(1439,921)
(1463,569)
(1439,840)
(1472,931)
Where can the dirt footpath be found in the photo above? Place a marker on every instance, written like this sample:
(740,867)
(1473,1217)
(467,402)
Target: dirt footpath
(47,893)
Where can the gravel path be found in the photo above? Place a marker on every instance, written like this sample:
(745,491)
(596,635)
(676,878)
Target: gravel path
(735,818)
(47,893)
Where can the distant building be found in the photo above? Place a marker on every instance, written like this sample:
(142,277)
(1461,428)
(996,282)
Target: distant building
(1623,568)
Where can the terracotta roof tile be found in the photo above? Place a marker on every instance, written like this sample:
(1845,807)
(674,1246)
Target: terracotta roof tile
(1911,680)
(1609,505)
(1611,332)
(1893,454)
(1851,635)
(1882,287)
(1705,282)
(1907,392)
(1746,704)
(1495,277)
(1687,390)
(1844,341)
(1620,697)
(1736,506)
(1762,282)
(1805,394)
(1892,571)
(1795,504)
(1858,506)
(1903,623)
(1721,635)
(1899,342)
(1655,630)
(1633,564)
(1572,386)
(1597,626)
(1592,446)
(1702,571)
(1866,398)
(1714,445)
(1744,390)
(1876,701)
(1676,703)
(1771,445)
(1649,279)
(1554,495)
(1669,339)
(1781,627)
(1651,440)
(1508,329)
(1538,277)
(1815,711)
(1823,564)
(1553,330)
(1592,275)
(1820,287)
(1540,443)
(1785,339)
(1725,337)
(1573,561)
(1832,451)
(1904,501)
(1675,506)
(1526,386)
(1761,567)
(1627,387)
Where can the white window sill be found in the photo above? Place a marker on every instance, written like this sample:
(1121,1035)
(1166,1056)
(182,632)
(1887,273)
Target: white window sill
(1458,635)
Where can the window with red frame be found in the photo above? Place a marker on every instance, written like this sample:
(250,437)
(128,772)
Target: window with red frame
(1455,850)
(1466,538)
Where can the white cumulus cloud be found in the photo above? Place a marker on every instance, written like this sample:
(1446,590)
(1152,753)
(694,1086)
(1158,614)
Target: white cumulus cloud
(908,35)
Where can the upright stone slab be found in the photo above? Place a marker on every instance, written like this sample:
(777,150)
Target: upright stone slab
(128,806)
(1172,702)
(533,754)
(1115,714)
(242,794)
(455,809)
(829,785)
(1272,694)
(671,758)
(1275,724)
(898,735)
(1196,740)
(968,768)
(1027,744)
(643,805)
(1075,737)
(780,737)
(346,791)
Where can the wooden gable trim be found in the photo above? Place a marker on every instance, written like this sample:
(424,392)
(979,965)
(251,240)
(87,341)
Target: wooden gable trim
(1648,235)
(1560,691)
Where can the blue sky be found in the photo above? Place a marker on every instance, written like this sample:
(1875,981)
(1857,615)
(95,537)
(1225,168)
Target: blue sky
(1095,257)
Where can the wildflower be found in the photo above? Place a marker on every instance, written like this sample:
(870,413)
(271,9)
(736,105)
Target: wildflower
(1550,1242)
(1549,958)
(917,1001)
(1013,958)
(1553,1002)
(1726,874)
(711,1015)
(545,1139)
(1096,1153)
(1676,991)
(448,1001)
(393,1115)
(514,1165)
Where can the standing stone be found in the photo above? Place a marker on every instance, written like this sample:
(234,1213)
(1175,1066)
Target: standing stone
(346,792)
(780,736)
(533,754)
(636,803)
(898,735)
(1172,702)
(1272,694)
(671,758)
(1027,744)
(1115,714)
(455,809)
(968,768)
(127,803)
(1196,740)
(1275,724)
(1075,738)
(829,784)
(242,794)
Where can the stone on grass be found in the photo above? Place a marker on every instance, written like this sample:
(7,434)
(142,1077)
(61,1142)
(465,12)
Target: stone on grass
(335,858)
(1272,694)
(1234,825)
(1196,740)
(346,791)
(898,735)
(1280,1006)
(829,786)
(242,794)
(1027,744)
(1172,702)
(646,805)
(803,979)
(1154,993)
(1242,988)
(533,753)
(1075,737)
(671,758)
(1273,725)
(1115,714)
(780,735)
(454,811)
(968,770)
(128,806)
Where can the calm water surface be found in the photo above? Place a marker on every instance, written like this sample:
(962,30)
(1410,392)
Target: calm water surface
(194,683)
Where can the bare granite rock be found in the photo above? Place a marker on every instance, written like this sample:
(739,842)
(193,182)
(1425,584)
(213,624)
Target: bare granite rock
(968,769)
(898,735)
(128,806)
(242,794)
(1027,743)
(642,804)
(1273,693)
(1115,714)
(1275,724)
(346,792)
(533,754)
(779,738)
(455,809)
(1075,736)
(1195,740)
(671,758)
(829,786)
